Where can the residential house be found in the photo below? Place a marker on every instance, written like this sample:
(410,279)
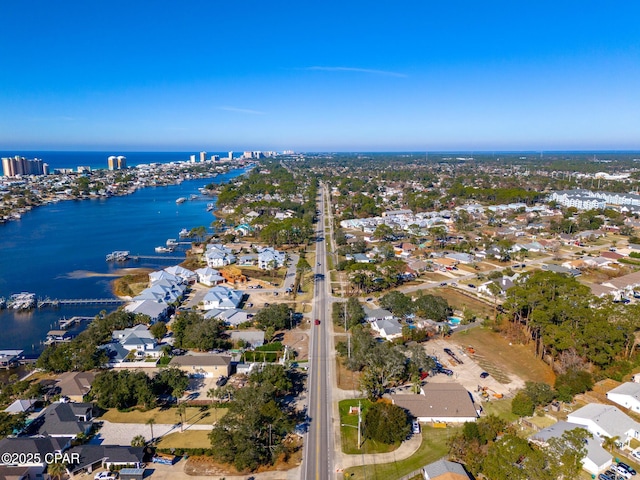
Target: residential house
(503,285)
(139,340)
(464,258)
(92,457)
(75,385)
(21,406)
(222,298)
(270,258)
(63,420)
(209,276)
(9,358)
(248,260)
(372,314)
(440,402)
(218,255)
(232,316)
(445,470)
(606,421)
(185,274)
(597,458)
(626,395)
(156,310)
(28,467)
(243,229)
(208,366)
(387,329)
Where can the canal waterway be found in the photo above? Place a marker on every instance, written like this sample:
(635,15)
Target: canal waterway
(58,251)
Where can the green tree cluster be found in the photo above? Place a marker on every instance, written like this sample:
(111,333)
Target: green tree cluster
(276,315)
(191,330)
(354,313)
(251,434)
(427,306)
(386,423)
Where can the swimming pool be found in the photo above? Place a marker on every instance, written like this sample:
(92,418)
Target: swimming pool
(454,320)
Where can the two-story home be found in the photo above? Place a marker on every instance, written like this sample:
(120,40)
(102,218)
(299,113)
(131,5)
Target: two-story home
(222,298)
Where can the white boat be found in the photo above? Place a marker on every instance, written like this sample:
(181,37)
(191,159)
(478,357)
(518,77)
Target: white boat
(181,200)
(210,206)
(172,242)
(184,233)
(163,249)
(193,196)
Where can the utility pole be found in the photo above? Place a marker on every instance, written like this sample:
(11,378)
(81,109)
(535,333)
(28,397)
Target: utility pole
(347,330)
(359,422)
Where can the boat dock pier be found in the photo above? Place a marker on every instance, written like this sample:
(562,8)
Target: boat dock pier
(56,302)
(154,257)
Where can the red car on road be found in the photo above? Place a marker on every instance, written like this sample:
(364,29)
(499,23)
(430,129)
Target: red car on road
(317,322)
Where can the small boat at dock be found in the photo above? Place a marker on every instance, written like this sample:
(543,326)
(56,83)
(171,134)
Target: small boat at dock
(22,301)
(184,233)
(118,256)
(172,242)
(163,249)
(181,200)
(210,206)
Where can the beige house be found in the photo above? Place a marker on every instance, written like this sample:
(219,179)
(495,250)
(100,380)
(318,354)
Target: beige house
(75,385)
(207,366)
(441,402)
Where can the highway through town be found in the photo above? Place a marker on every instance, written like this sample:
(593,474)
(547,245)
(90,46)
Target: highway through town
(318,454)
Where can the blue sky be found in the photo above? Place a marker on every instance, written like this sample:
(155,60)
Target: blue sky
(320,76)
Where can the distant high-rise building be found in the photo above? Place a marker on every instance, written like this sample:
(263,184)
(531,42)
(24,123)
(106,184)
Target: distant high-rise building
(117,163)
(215,158)
(192,158)
(203,156)
(230,155)
(13,166)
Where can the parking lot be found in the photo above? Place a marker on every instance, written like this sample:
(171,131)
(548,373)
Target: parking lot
(468,374)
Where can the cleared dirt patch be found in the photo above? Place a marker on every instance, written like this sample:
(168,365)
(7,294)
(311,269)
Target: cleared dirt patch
(496,355)
(459,301)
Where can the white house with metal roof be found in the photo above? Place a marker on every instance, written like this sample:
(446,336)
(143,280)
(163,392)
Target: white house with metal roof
(626,395)
(606,421)
(222,298)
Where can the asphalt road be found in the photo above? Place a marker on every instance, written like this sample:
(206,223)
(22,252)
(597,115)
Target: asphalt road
(318,455)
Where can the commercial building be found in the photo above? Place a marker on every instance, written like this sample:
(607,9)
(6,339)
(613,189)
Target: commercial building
(14,166)
(117,162)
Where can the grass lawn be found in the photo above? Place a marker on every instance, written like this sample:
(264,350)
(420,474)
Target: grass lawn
(186,439)
(349,435)
(170,416)
(347,379)
(433,447)
(459,300)
(500,408)
(495,353)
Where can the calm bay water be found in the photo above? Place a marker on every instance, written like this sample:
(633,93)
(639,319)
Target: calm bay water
(58,251)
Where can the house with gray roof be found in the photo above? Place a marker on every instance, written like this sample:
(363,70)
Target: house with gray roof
(445,470)
(232,316)
(63,420)
(75,385)
(155,310)
(597,458)
(138,339)
(209,276)
(186,275)
(92,457)
(371,314)
(21,406)
(387,329)
(217,255)
(269,258)
(626,395)
(222,298)
(28,466)
(606,421)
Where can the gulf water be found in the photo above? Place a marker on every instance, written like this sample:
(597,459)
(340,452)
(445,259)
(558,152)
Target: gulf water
(58,250)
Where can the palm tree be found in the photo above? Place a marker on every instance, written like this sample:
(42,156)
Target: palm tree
(151,422)
(609,443)
(57,470)
(138,441)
